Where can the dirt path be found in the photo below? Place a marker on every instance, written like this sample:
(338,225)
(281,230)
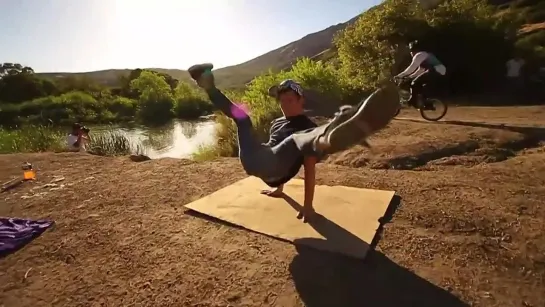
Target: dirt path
(470,231)
(528,115)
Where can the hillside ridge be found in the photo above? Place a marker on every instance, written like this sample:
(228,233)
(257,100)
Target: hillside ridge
(317,45)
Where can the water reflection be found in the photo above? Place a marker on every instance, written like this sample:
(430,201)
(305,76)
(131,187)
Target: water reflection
(189,129)
(178,139)
(158,138)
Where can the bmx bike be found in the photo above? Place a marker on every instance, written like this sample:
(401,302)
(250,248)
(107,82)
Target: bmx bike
(431,109)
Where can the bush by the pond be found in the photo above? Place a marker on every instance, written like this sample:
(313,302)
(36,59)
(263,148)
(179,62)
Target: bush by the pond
(264,109)
(190,102)
(42,139)
(157,103)
(63,109)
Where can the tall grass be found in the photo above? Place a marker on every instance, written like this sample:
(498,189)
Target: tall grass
(42,139)
(31,139)
(113,143)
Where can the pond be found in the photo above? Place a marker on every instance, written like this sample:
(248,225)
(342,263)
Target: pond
(177,139)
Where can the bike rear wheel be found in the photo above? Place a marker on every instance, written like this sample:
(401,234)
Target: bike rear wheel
(439,111)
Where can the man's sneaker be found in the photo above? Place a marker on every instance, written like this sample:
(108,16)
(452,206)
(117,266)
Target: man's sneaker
(197,73)
(352,126)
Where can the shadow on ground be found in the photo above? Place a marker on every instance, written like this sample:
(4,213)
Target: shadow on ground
(326,279)
(474,151)
(339,239)
(513,128)
(330,279)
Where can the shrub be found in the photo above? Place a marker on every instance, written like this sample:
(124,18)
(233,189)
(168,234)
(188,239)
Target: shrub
(123,108)
(190,102)
(156,101)
(68,108)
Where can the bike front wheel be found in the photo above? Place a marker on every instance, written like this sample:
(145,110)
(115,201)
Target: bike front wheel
(435,110)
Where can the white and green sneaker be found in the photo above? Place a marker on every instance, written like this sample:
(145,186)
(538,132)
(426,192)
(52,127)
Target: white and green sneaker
(353,125)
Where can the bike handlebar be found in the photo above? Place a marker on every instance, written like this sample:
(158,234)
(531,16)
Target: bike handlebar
(398,80)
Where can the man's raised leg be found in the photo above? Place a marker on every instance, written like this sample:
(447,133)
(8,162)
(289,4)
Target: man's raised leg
(202,74)
(249,148)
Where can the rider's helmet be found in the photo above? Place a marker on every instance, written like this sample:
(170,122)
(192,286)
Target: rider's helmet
(415,46)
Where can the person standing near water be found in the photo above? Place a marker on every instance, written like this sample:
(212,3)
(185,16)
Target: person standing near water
(78,138)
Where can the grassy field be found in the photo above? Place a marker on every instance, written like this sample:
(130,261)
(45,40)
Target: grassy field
(470,230)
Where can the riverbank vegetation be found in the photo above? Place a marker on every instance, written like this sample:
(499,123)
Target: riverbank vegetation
(144,96)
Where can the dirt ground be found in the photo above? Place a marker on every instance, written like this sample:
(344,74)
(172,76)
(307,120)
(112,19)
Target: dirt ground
(470,230)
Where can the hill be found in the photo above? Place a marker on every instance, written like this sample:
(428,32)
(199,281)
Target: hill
(316,45)
(110,76)
(313,45)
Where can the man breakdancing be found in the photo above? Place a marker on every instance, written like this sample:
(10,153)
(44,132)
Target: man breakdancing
(294,139)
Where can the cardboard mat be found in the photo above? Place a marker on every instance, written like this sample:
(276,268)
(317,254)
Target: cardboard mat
(347,222)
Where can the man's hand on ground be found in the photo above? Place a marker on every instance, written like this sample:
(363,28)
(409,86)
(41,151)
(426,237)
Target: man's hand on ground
(278,192)
(306,214)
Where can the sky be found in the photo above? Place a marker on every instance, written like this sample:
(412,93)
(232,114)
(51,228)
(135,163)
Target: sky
(88,35)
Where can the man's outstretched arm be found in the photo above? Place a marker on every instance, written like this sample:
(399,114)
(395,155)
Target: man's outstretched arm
(310,186)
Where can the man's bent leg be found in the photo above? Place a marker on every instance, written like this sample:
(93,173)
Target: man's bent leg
(425,83)
(351,125)
(416,89)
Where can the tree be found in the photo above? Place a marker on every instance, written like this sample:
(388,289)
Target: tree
(368,48)
(156,101)
(126,90)
(190,102)
(464,34)
(79,83)
(17,88)
(11,69)
(173,83)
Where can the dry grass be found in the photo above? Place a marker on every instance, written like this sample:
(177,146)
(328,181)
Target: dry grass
(466,233)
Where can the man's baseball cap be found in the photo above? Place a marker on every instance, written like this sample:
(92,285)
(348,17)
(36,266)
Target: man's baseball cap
(286,85)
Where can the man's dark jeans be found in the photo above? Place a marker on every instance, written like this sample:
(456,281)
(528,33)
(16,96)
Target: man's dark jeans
(260,160)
